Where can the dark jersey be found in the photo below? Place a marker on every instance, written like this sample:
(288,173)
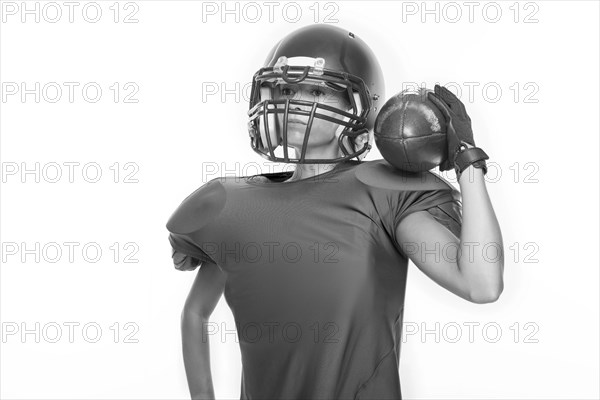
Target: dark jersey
(316,276)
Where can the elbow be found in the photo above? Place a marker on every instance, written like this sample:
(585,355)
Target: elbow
(486,296)
(484,299)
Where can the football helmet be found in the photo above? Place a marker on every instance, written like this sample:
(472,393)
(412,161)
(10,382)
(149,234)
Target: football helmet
(321,55)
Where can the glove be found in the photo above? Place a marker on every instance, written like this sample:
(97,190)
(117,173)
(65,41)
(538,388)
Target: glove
(459,131)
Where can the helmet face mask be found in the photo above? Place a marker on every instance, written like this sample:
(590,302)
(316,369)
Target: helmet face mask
(270,113)
(323,132)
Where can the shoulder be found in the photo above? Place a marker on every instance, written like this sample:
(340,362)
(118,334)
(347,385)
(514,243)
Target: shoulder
(199,208)
(382,175)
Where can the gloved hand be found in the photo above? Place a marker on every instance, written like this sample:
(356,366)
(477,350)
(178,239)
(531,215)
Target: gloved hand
(459,131)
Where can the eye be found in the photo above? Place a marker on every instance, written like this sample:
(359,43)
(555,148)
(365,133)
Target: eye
(317,93)
(287,91)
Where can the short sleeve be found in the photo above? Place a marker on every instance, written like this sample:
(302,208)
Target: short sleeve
(190,225)
(184,245)
(449,215)
(184,262)
(444,205)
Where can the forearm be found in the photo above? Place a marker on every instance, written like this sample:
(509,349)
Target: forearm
(196,356)
(481,259)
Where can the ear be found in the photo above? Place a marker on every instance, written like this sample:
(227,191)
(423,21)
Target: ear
(359,143)
(361,139)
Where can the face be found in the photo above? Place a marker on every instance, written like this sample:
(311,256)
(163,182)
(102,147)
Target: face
(322,133)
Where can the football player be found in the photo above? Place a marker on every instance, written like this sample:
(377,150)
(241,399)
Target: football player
(313,263)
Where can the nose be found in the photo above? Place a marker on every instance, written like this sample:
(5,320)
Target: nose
(300,108)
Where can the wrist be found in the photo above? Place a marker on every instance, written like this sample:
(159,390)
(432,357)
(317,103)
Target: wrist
(470,175)
(468,156)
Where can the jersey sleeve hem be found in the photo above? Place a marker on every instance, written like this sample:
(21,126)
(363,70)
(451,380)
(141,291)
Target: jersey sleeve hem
(444,205)
(183,245)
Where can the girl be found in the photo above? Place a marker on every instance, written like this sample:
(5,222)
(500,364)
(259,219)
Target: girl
(313,263)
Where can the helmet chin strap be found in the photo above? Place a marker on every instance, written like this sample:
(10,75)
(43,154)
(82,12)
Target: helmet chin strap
(338,132)
(348,140)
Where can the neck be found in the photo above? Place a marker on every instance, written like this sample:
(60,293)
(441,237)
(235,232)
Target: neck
(304,171)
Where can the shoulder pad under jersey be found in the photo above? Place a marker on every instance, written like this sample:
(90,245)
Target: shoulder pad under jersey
(198,209)
(381,174)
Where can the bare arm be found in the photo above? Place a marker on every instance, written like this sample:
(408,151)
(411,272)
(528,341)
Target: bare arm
(471,266)
(201,301)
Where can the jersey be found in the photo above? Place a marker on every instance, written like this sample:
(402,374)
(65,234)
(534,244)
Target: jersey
(316,276)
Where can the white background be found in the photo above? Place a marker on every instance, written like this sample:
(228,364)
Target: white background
(548,209)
